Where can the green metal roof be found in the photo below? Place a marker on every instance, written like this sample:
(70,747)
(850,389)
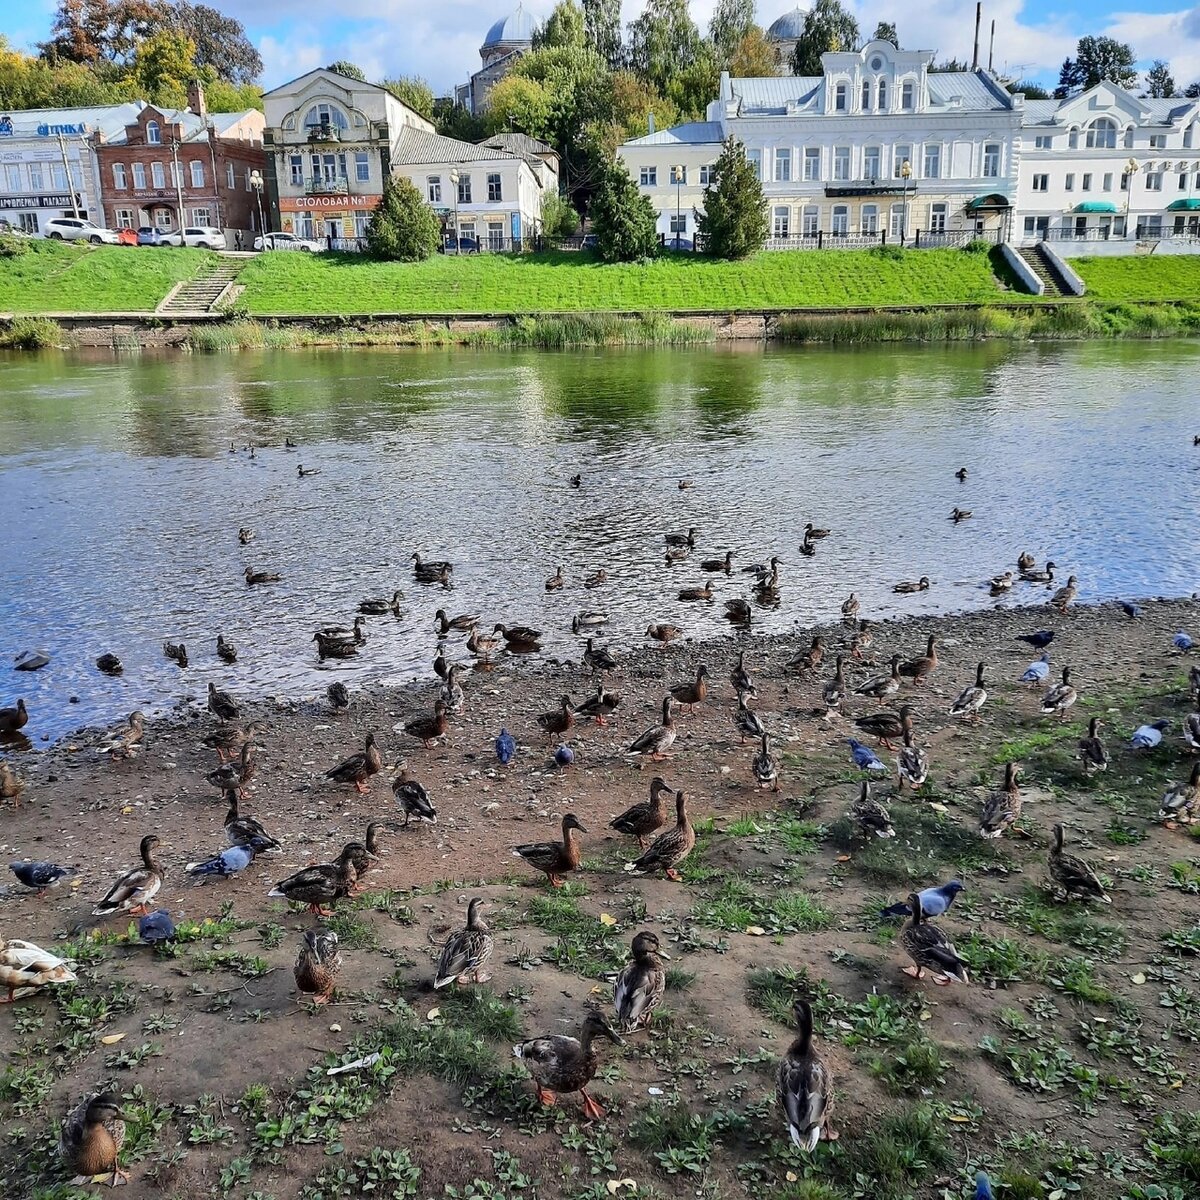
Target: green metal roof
(1189,204)
(988,200)
(1096,206)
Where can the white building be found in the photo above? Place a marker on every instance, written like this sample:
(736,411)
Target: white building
(1108,165)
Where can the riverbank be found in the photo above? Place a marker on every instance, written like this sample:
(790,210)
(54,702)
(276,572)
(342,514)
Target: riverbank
(1062,1057)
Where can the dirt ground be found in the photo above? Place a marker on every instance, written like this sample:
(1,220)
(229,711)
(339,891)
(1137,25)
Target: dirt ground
(1067,1067)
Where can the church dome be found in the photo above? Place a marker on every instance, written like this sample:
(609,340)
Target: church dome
(516,27)
(788,27)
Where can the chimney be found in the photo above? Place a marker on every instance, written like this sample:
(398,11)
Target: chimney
(992,46)
(978,20)
(196,103)
(650,122)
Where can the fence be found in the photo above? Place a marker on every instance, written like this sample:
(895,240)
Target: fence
(920,239)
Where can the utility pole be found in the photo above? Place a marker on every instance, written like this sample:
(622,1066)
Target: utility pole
(62,149)
(178,184)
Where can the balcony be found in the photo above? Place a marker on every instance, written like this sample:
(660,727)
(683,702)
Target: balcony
(323,133)
(315,186)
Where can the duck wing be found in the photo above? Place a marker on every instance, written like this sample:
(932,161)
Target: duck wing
(637,993)
(803,1089)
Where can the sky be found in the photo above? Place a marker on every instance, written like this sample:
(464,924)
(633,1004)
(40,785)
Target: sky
(440,42)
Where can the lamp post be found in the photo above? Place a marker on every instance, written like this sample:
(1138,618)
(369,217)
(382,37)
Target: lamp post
(454,188)
(906,175)
(256,182)
(1131,169)
(679,172)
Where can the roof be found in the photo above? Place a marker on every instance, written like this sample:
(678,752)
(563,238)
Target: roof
(417,146)
(692,133)
(520,143)
(1163,111)
(977,91)
(108,118)
(516,27)
(788,27)
(194,130)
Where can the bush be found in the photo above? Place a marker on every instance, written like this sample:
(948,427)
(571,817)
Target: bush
(625,222)
(559,219)
(13,246)
(32,333)
(734,221)
(403,228)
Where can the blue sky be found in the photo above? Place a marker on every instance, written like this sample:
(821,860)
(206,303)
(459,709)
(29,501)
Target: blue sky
(440,41)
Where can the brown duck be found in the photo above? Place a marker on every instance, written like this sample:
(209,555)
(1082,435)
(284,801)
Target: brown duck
(12,720)
(642,819)
(670,848)
(691,694)
(317,965)
(917,669)
(92,1137)
(358,768)
(556,859)
(429,729)
(558,720)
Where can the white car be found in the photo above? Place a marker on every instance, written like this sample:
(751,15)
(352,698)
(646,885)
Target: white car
(205,237)
(288,241)
(76,229)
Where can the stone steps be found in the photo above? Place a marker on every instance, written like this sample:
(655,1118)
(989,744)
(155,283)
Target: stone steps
(200,294)
(1041,266)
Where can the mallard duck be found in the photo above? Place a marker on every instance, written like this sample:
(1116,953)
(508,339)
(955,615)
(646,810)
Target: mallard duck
(463,622)
(598,659)
(559,1065)
(912,763)
(810,659)
(999,584)
(738,611)
(684,484)
(884,724)
(681,539)
(434,571)
(451,692)
(245,831)
(338,696)
(109,664)
(930,949)
(412,797)
(747,722)
(378,606)
(11,784)
(1182,802)
(1072,874)
(1193,683)
(226,650)
(1065,595)
(576,481)
(808,547)
(12,720)
(318,965)
(428,729)
(765,765)
(835,688)
(92,1136)
(519,637)
(558,720)
(344,633)
(254,578)
(235,773)
(335,647)
(804,1086)
(906,587)
(767,586)
(663,633)
(1002,808)
(25,968)
(303,472)
(918,668)
(861,639)
(555,859)
(671,846)
(483,645)
(810,531)
(441,668)
(850,608)
(1025,561)
(245,536)
(465,951)
(641,984)
(718,564)
(1191,730)
(556,581)
(228,740)
(135,889)
(358,768)
(882,687)
(1091,749)
(961,474)
(960,514)
(324,883)
(871,814)
(971,699)
(221,704)
(1030,575)
(601,706)
(693,693)
(41,875)
(696,593)
(1060,697)
(176,652)
(641,820)
(595,579)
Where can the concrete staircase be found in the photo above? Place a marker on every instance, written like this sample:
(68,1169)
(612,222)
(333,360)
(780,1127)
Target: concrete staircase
(200,294)
(1044,269)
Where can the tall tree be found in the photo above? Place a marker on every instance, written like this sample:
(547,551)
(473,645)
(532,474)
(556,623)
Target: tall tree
(221,42)
(348,69)
(602,22)
(163,67)
(1097,58)
(624,220)
(413,91)
(734,221)
(827,26)
(754,56)
(452,119)
(1030,90)
(403,228)
(663,41)
(564,27)
(519,104)
(949,64)
(1159,81)
(885,31)
(731,21)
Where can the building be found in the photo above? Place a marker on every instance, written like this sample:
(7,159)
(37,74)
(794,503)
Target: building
(507,40)
(47,165)
(168,168)
(541,157)
(331,141)
(1108,165)
(783,34)
(878,144)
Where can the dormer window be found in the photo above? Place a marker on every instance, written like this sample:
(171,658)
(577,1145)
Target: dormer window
(153,133)
(907,96)
(839,98)
(883,96)
(325,116)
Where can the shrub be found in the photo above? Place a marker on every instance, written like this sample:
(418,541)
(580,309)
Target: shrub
(32,333)
(625,222)
(403,228)
(12,246)
(559,219)
(734,221)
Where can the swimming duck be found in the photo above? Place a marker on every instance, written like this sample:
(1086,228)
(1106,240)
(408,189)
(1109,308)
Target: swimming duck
(40,875)
(1002,808)
(871,814)
(934,901)
(576,481)
(1060,697)
(718,564)
(1072,874)
(865,759)
(810,531)
(559,1065)
(882,687)
(912,763)
(11,784)
(324,883)
(465,951)
(884,724)
(1037,672)
(850,608)
(288,444)
(463,622)
(555,859)
(377,606)
(804,1086)
(338,696)
(318,965)
(432,571)
(176,652)
(971,700)
(738,611)
(598,659)
(861,639)
(221,704)
(835,688)
(226,650)
(681,539)
(809,659)
(245,831)
(25,968)
(1191,730)
(588,619)
(506,747)
(684,484)
(693,693)
(336,647)
(960,514)
(134,890)
(12,720)
(303,472)
(412,797)
(671,846)
(664,633)
(808,547)
(1182,802)
(675,554)
(908,586)
(641,820)
(766,586)
(1030,575)
(595,579)
(747,722)
(640,986)
(92,1136)
(344,633)
(1091,749)
(918,668)
(601,706)
(696,593)
(225,863)
(930,949)
(109,664)
(451,692)
(358,768)
(254,578)
(156,927)
(961,474)
(245,536)
(1065,595)
(428,729)
(558,720)
(765,765)
(519,637)
(237,772)
(555,582)
(1025,561)
(999,584)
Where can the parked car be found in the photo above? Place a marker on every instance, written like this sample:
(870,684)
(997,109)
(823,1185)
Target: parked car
(76,229)
(147,235)
(461,245)
(288,241)
(205,237)
(127,237)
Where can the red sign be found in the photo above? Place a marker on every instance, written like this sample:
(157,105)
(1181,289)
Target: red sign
(334,203)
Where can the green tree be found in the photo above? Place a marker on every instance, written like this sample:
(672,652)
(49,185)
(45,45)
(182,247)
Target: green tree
(413,91)
(221,96)
(221,42)
(754,56)
(663,41)
(1097,58)
(949,64)
(521,104)
(559,219)
(349,69)
(695,84)
(624,220)
(1160,84)
(885,31)
(452,119)
(734,221)
(1031,91)
(163,67)
(1192,91)
(731,21)
(827,26)
(602,23)
(565,26)
(403,228)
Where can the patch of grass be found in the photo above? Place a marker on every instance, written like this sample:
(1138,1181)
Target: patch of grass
(1174,1143)
(918,1064)
(1141,277)
(1002,960)
(353,932)
(384,1173)
(32,333)
(739,906)
(584,944)
(902,1150)
(418,1046)
(482,1012)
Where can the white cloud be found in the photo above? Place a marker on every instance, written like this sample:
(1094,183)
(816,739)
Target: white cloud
(1171,36)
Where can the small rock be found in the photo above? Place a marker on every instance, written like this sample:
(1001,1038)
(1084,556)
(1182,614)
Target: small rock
(32,660)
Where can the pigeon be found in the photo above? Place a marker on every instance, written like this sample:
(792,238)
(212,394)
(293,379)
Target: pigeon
(1039,640)
(1037,672)
(156,926)
(1132,611)
(1182,642)
(564,756)
(506,747)
(40,875)
(983,1187)
(228,862)
(1146,737)
(934,901)
(865,759)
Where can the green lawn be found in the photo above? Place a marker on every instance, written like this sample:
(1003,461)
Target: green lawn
(1144,277)
(333,283)
(52,277)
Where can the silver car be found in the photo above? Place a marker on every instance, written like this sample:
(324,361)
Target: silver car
(205,237)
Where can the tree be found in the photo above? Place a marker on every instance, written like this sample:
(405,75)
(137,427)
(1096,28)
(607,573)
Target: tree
(519,103)
(453,120)
(413,91)
(348,69)
(221,42)
(734,221)
(754,56)
(231,97)
(885,31)
(663,41)
(1096,58)
(1031,91)
(1160,84)
(624,220)
(403,228)
(602,24)
(827,26)
(731,21)
(1192,91)
(693,86)
(163,67)
(564,27)
(949,64)
(559,219)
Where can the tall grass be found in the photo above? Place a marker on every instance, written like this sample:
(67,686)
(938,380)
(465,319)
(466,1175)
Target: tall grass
(32,333)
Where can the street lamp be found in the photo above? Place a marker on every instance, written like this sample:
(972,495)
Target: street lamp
(256,182)
(678,172)
(906,175)
(454,177)
(1131,169)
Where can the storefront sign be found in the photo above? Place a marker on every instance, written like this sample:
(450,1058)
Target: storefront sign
(55,130)
(6,129)
(59,201)
(336,204)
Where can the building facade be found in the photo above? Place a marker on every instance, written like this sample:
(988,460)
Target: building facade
(782,34)
(169,168)
(504,44)
(330,143)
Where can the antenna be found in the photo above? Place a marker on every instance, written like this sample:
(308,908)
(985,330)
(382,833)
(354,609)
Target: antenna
(992,46)
(978,20)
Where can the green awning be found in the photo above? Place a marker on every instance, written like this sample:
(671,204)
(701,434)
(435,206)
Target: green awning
(990,200)
(1189,204)
(1096,206)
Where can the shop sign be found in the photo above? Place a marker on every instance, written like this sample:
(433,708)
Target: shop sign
(60,201)
(337,204)
(55,130)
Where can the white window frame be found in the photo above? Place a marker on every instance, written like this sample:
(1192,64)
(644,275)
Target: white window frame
(1158,141)
(679,175)
(866,95)
(1041,182)
(158,175)
(295,168)
(841,98)
(812,164)
(125,218)
(872,162)
(36,178)
(908,96)
(495,188)
(896,221)
(164,218)
(196,169)
(362,166)
(781,221)
(231,177)
(839,220)
(931,156)
(938,215)
(1108,182)
(678,223)
(1154,181)
(754,158)
(120,177)
(464,189)
(433,189)
(783,164)
(648,177)
(1069,182)
(900,155)
(707,176)
(882,101)
(1101,134)
(868,220)
(810,220)
(1085,184)
(992,152)
(153,133)
(841,163)
(202,217)
(28,222)
(139,176)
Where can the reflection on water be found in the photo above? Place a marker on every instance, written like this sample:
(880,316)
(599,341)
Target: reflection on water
(122,500)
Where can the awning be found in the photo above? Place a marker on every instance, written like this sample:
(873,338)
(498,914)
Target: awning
(991,200)
(1188,204)
(1096,206)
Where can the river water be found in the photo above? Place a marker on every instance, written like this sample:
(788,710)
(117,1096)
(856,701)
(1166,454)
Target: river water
(121,499)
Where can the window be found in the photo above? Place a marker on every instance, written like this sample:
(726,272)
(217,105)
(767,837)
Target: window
(1129,138)
(1124,180)
(59,175)
(467,231)
(933,160)
(679,222)
(139,176)
(1158,141)
(991,160)
(839,98)
(176,174)
(1073,140)
(1070,181)
(29,222)
(1102,134)
(900,155)
(197,169)
(120,182)
(754,158)
(869,219)
(296,164)
(201,217)
(812,163)
(495,191)
(361,221)
(1041,183)
(362,167)
(464,189)
(783,165)
(1043,141)
(1108,181)
(163,218)
(495,236)
(707,176)
(649,177)
(433,189)
(325,116)
(1154,181)
(679,174)
(35,177)
(125,218)
(12,174)
(937,218)
(1183,181)
(153,133)
(231,181)
(1029,226)
(883,96)
(781,222)
(1086,185)
(810,220)
(841,220)
(896,229)
(866,95)
(871,158)
(907,96)
(841,162)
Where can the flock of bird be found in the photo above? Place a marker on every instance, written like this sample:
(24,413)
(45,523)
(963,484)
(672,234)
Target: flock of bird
(558,1064)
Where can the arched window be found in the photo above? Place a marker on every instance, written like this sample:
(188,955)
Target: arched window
(882,105)
(153,134)
(1129,138)
(866,95)
(1073,140)
(839,98)
(327,116)
(1102,134)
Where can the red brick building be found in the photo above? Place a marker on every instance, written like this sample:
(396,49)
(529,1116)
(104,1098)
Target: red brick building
(182,166)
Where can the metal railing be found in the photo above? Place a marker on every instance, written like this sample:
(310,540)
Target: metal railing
(918,239)
(316,185)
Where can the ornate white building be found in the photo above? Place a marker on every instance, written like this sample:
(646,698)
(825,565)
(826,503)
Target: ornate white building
(507,40)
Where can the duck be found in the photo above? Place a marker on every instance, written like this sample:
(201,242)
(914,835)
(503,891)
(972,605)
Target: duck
(255,578)
(884,724)
(598,659)
(999,584)
(738,611)
(556,581)
(766,586)
(358,768)
(835,688)
(747,722)
(718,564)
(1191,730)
(245,536)
(519,637)
(671,846)
(236,772)
(588,619)
(1002,808)
(934,901)
(765,765)
(642,819)
(684,484)
(317,965)
(906,587)
(1091,749)
(364,853)
(462,623)
(176,652)
(804,1086)
(960,514)
(412,797)
(13,720)
(918,668)
(870,814)
(434,569)
(1065,595)
(41,875)
(221,704)
(338,696)
(664,633)
(324,883)
(1072,874)
(241,830)
(289,444)
(912,763)
(641,984)
(861,639)
(303,472)
(810,531)
(226,650)
(601,706)
(558,720)
(961,474)
(675,554)
(692,693)
(11,784)
(427,729)
(595,579)
(555,859)
(930,949)
(225,863)
(808,547)
(1025,561)
(1032,575)
(864,758)
(970,701)
(344,633)
(91,1138)
(134,890)
(440,667)
(696,593)
(882,687)
(335,647)
(809,659)
(850,608)
(109,664)
(378,606)
(681,539)
(505,747)
(1182,802)
(465,951)
(1037,672)
(1060,697)
(559,1065)
(1194,682)
(451,692)
(26,968)
(576,481)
